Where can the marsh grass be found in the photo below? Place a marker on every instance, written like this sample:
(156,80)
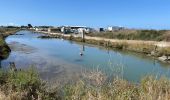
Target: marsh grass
(154,35)
(20,85)
(94,85)
(150,88)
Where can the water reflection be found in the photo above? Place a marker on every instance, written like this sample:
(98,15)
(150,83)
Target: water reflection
(82,49)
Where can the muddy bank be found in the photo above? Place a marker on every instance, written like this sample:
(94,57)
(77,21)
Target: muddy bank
(4,48)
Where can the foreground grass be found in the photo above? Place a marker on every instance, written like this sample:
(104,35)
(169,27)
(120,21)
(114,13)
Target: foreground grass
(22,85)
(26,85)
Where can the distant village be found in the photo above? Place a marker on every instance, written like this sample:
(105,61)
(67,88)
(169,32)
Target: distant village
(68,29)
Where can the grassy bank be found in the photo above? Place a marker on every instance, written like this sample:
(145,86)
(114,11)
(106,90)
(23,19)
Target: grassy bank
(20,85)
(26,85)
(8,31)
(4,49)
(151,35)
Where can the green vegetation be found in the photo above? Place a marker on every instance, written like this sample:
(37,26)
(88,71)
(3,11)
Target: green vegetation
(154,35)
(19,85)
(4,49)
(26,85)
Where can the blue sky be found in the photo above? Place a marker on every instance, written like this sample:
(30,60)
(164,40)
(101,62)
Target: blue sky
(94,13)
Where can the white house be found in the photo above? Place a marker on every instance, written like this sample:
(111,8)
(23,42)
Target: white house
(49,30)
(110,28)
(113,28)
(63,29)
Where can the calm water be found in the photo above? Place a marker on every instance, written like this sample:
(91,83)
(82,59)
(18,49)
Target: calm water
(59,59)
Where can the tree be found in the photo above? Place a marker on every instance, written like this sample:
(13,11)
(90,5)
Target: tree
(29,26)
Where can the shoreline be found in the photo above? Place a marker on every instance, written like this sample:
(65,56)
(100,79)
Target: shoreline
(156,43)
(4,48)
(159,50)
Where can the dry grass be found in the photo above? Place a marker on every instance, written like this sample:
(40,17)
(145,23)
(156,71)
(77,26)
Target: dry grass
(150,88)
(93,85)
(153,35)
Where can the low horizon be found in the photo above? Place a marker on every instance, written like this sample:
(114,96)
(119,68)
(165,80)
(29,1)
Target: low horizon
(106,27)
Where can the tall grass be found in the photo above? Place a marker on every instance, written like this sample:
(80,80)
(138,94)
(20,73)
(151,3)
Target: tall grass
(95,85)
(149,88)
(21,85)
(155,35)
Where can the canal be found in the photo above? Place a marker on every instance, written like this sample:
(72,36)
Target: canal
(58,59)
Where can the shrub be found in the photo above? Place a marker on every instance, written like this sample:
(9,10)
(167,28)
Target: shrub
(26,85)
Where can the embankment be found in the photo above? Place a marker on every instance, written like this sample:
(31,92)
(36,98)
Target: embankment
(4,49)
(150,48)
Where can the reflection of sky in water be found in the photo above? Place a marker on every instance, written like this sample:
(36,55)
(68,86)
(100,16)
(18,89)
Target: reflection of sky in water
(56,57)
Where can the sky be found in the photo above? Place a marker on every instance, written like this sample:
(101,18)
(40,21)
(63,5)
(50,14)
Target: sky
(153,14)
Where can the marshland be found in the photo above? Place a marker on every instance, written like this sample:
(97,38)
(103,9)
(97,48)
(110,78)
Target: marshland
(41,68)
